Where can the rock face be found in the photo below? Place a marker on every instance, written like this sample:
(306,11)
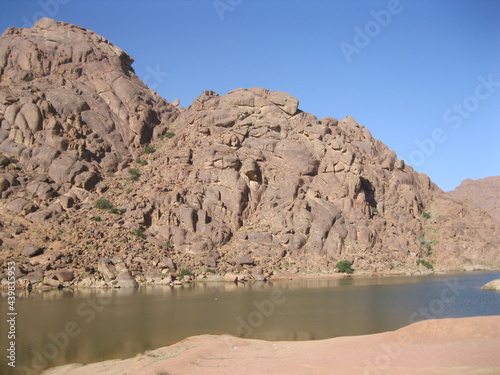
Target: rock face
(485,193)
(118,186)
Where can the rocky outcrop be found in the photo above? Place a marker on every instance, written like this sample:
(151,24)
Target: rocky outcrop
(114,184)
(484,193)
(492,285)
(71,106)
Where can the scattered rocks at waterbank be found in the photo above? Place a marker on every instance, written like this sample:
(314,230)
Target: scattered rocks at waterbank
(492,285)
(110,185)
(444,346)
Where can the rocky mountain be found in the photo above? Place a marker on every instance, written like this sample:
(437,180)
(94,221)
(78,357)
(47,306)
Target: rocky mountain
(485,193)
(103,182)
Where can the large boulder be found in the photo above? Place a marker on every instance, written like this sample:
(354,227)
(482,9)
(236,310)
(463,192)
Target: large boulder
(492,285)
(31,251)
(125,280)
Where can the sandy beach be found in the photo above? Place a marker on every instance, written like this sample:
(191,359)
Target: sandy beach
(444,346)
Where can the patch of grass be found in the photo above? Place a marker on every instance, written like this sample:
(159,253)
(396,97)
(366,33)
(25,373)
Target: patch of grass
(209,270)
(96,218)
(425,264)
(118,211)
(103,204)
(426,215)
(149,149)
(345,266)
(134,174)
(139,232)
(141,161)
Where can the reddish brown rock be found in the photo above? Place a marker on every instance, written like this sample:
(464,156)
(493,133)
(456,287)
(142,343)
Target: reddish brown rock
(241,181)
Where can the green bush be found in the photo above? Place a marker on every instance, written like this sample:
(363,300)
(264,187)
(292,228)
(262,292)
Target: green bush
(139,232)
(96,218)
(141,161)
(168,135)
(345,266)
(118,159)
(425,264)
(103,204)
(149,149)
(427,246)
(134,174)
(426,215)
(185,272)
(118,211)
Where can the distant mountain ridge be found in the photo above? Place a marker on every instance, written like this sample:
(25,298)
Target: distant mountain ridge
(484,192)
(104,183)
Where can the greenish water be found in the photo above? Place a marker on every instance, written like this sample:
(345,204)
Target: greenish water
(60,327)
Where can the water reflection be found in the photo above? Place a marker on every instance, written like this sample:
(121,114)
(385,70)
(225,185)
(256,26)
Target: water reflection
(88,325)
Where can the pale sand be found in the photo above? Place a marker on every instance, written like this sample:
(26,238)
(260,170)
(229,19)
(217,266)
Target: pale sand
(444,346)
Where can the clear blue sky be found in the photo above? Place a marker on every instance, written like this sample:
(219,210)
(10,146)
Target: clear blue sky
(423,76)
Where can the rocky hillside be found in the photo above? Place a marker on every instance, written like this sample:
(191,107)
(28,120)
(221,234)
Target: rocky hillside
(103,182)
(485,193)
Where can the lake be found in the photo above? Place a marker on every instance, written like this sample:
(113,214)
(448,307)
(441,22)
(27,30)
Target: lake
(67,326)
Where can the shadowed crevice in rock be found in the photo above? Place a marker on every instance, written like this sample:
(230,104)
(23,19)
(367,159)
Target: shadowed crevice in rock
(369,192)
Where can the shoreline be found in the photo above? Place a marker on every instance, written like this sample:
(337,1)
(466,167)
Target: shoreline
(383,274)
(439,346)
(248,279)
